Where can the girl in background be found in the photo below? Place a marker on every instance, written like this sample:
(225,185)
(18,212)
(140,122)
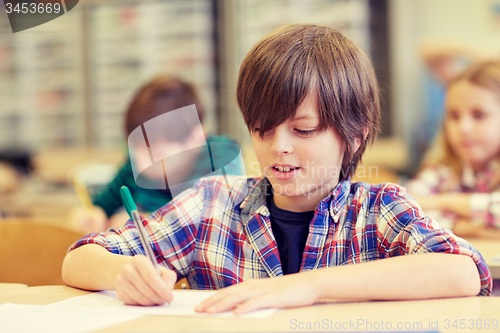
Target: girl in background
(460,182)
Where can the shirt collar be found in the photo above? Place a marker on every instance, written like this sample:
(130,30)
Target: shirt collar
(338,199)
(255,202)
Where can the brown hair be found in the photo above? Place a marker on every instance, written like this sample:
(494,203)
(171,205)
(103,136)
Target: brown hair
(162,94)
(483,74)
(287,64)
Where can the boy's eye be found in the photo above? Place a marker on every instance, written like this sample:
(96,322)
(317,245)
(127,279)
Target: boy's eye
(305,132)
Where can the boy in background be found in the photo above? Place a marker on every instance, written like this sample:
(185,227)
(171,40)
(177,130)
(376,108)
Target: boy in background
(180,132)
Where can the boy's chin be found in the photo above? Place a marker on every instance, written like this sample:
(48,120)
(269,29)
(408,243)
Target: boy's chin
(294,191)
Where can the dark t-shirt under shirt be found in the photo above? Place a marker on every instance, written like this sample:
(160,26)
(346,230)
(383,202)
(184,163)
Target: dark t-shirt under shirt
(290,230)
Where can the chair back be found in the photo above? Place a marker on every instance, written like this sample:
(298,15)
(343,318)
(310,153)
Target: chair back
(32,252)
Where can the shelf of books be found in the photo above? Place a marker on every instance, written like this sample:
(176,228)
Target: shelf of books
(253,19)
(67,83)
(133,41)
(41,83)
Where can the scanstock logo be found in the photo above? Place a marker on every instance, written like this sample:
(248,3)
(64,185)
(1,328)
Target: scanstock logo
(26,14)
(168,152)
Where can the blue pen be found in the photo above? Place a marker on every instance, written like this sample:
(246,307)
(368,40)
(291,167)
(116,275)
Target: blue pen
(131,208)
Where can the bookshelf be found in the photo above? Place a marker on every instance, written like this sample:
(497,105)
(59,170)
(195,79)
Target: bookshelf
(66,83)
(134,40)
(245,22)
(41,105)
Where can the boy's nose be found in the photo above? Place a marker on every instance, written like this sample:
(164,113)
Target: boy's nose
(281,142)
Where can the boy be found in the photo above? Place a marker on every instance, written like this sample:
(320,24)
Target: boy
(310,99)
(163,97)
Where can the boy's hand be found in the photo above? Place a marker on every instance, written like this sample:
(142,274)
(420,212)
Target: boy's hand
(282,292)
(138,283)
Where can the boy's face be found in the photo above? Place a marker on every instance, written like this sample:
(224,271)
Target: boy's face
(302,163)
(179,165)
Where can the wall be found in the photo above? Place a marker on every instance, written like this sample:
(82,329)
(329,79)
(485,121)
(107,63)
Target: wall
(473,23)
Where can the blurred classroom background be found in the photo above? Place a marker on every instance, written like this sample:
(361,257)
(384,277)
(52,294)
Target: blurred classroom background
(65,85)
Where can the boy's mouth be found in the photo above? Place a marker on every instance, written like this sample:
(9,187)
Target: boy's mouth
(284,172)
(284,168)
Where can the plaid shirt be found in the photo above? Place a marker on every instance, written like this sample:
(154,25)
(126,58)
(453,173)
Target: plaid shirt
(484,203)
(216,242)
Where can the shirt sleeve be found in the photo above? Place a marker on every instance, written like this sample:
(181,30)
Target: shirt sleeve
(172,232)
(404,229)
(485,209)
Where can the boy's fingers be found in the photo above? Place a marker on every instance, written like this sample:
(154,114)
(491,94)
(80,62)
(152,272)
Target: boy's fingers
(149,282)
(169,276)
(146,290)
(230,301)
(132,281)
(215,298)
(123,296)
(129,293)
(131,296)
(137,288)
(256,303)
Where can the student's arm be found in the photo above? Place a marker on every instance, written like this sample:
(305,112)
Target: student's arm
(421,261)
(135,279)
(105,203)
(114,259)
(446,59)
(458,203)
(466,229)
(431,275)
(431,190)
(481,208)
(427,187)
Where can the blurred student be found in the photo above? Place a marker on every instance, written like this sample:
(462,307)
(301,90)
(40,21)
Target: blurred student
(303,232)
(443,60)
(460,180)
(180,133)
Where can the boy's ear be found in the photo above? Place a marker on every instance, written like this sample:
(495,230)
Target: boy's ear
(357,141)
(365,133)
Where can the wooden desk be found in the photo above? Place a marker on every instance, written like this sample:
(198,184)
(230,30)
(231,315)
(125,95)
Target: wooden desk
(11,286)
(489,249)
(416,315)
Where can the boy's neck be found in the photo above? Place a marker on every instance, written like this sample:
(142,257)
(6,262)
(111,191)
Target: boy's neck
(301,203)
